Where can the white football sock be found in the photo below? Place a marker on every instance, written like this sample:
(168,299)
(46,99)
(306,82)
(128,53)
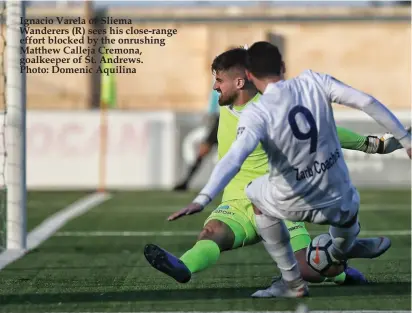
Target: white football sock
(344,238)
(276,240)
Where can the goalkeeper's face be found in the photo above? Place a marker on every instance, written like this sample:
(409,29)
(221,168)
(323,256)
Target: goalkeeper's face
(228,84)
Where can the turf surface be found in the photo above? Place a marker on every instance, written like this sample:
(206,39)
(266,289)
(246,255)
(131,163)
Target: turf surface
(83,268)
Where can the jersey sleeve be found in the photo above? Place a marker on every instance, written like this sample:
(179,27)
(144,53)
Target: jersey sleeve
(253,122)
(351,140)
(340,93)
(248,137)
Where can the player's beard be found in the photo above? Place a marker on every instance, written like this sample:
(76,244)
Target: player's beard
(227,100)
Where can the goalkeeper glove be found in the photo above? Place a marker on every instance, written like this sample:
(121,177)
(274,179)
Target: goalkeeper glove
(382,145)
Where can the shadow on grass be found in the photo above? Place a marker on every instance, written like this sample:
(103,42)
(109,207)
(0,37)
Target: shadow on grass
(378,289)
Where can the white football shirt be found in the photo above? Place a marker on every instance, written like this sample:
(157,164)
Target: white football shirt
(293,120)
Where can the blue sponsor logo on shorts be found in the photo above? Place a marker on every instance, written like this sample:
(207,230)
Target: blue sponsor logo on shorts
(223,207)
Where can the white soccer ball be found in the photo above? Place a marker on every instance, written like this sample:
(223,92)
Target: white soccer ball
(319,257)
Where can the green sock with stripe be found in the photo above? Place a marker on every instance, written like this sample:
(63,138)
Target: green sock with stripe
(203,255)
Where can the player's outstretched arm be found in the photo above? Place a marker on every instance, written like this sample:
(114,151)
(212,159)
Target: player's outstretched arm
(250,132)
(341,93)
(370,144)
(222,174)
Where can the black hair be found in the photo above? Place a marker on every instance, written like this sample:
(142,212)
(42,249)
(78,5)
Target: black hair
(230,59)
(264,60)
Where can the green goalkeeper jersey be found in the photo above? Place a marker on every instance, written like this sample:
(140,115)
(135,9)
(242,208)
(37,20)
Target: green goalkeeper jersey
(257,164)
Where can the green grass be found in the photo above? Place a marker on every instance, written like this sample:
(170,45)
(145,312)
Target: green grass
(110,274)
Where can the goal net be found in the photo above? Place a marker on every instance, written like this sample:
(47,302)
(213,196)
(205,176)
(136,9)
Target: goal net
(3,197)
(12,129)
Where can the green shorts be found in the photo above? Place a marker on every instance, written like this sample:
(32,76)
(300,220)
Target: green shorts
(239,216)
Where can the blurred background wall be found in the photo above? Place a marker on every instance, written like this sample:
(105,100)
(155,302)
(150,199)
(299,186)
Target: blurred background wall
(151,136)
(368,47)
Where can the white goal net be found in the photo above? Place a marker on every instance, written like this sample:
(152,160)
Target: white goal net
(3,200)
(12,129)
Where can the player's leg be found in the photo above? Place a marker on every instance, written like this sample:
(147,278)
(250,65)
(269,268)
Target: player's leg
(345,227)
(350,276)
(226,228)
(300,240)
(214,238)
(346,245)
(272,229)
(204,149)
(276,240)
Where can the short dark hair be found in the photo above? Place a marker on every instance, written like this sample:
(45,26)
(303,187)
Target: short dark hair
(264,60)
(230,59)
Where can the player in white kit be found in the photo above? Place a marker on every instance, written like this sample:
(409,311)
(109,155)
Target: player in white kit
(308,178)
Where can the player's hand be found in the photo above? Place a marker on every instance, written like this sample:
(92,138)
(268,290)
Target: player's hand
(192,208)
(389,143)
(409,152)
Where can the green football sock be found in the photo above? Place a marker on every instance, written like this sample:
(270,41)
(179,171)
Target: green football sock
(204,254)
(351,140)
(337,279)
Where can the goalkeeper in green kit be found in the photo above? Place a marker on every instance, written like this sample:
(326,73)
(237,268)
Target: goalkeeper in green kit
(232,225)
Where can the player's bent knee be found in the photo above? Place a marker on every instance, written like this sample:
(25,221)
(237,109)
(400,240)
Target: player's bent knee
(218,232)
(352,222)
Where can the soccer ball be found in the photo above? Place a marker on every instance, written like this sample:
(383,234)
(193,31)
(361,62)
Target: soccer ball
(319,257)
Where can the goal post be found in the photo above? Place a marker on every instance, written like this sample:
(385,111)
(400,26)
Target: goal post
(15,128)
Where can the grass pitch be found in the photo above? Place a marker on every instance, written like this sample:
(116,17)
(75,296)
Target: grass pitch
(96,263)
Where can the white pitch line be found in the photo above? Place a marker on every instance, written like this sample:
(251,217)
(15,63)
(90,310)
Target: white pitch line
(125,233)
(404,232)
(323,311)
(126,208)
(49,226)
